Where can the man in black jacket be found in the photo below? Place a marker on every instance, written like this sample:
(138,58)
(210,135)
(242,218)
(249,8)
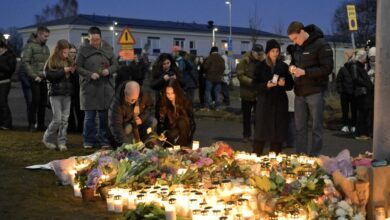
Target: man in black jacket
(129,116)
(312,62)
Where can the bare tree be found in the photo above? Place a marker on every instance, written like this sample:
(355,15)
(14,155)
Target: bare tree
(64,8)
(280,28)
(254,24)
(366,20)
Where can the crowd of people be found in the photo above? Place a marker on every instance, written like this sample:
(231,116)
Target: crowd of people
(91,91)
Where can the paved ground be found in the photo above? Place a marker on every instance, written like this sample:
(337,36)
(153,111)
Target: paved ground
(211,127)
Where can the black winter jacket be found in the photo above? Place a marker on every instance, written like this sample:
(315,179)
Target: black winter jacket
(58,84)
(315,56)
(121,114)
(344,80)
(7,65)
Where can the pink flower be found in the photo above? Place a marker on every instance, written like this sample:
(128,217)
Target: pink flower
(154,159)
(204,161)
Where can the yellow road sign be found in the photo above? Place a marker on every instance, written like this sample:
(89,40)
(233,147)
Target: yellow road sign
(126,37)
(352,20)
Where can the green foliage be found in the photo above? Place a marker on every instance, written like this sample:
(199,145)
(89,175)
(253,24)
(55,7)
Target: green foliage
(146,212)
(124,167)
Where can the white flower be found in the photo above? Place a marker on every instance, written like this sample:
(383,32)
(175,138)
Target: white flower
(358,216)
(341,212)
(303,181)
(342,218)
(328,182)
(344,205)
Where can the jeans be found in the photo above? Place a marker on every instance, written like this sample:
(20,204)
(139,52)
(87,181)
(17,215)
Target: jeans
(91,136)
(38,104)
(247,107)
(5,112)
(311,105)
(215,88)
(60,106)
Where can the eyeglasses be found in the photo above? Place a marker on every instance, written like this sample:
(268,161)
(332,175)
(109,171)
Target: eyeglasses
(72,52)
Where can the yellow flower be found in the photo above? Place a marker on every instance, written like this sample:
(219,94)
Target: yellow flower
(311,185)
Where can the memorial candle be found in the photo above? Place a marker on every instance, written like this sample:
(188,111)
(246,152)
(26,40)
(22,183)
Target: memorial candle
(170,212)
(118,204)
(76,189)
(195,145)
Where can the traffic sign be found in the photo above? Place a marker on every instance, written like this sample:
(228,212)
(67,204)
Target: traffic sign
(352,20)
(126,37)
(126,54)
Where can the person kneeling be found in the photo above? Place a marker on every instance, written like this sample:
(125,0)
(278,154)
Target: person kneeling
(176,115)
(130,115)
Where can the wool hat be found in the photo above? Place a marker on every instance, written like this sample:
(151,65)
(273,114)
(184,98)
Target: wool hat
(272,44)
(214,49)
(257,48)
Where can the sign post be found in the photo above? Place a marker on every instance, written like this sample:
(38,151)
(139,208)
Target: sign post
(352,22)
(126,41)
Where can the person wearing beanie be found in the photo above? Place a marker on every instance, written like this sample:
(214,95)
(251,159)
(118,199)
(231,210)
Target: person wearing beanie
(271,44)
(245,72)
(213,50)
(271,81)
(311,64)
(214,67)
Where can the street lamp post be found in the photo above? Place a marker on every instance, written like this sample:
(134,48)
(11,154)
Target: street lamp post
(6,37)
(214,30)
(229,3)
(112,28)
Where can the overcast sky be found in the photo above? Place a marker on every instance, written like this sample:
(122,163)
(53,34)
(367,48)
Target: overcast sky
(272,13)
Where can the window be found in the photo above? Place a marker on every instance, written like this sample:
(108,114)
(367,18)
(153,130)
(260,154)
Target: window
(154,45)
(178,42)
(192,45)
(138,43)
(245,46)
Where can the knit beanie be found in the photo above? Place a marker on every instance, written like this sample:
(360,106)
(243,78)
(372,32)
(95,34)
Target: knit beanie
(272,44)
(214,49)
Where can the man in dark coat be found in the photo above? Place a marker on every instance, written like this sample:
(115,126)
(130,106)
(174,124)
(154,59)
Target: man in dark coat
(130,114)
(214,67)
(311,63)
(96,64)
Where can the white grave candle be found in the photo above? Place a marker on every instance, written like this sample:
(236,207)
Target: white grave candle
(118,204)
(110,202)
(195,145)
(76,190)
(170,212)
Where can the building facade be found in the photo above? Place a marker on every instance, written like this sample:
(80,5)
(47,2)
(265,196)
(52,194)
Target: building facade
(154,37)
